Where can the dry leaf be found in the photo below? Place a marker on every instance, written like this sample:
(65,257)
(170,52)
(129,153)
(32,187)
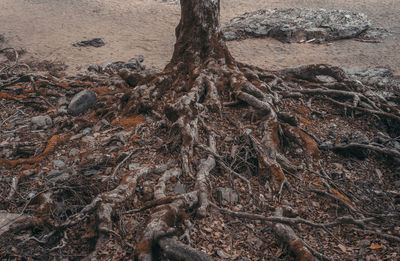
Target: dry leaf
(374,246)
(342,247)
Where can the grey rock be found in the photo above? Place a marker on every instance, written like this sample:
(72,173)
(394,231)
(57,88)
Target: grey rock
(58,164)
(73,152)
(381,80)
(43,121)
(376,33)
(180,189)
(227,195)
(90,141)
(76,137)
(95,42)
(327,145)
(359,137)
(297,25)
(92,172)
(62,100)
(87,131)
(222,254)
(55,176)
(326,78)
(364,243)
(133,166)
(62,110)
(2,38)
(81,102)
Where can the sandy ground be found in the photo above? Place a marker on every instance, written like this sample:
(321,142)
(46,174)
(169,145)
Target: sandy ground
(47,29)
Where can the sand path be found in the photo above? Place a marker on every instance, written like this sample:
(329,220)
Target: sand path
(47,29)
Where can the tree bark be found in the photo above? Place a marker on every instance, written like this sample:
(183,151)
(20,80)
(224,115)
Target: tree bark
(199,35)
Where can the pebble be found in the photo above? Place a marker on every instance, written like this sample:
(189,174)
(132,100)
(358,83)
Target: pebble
(222,254)
(81,102)
(86,131)
(326,145)
(133,166)
(43,121)
(58,164)
(73,152)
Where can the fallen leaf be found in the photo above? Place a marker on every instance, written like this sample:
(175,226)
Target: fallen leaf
(374,246)
(342,247)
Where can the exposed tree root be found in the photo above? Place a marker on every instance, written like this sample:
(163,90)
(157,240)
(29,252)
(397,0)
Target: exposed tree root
(50,147)
(203,118)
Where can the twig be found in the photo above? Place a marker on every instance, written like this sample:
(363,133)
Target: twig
(390,152)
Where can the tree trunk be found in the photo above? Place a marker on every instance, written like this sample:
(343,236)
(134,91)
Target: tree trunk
(199,35)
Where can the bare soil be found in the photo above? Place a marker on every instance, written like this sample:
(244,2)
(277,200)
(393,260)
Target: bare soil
(48,28)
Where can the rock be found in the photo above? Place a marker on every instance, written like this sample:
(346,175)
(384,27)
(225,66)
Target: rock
(92,172)
(86,131)
(222,254)
(375,33)
(81,102)
(359,137)
(2,39)
(227,195)
(43,121)
(133,166)
(62,110)
(76,137)
(73,152)
(297,25)
(95,42)
(327,145)
(180,189)
(55,176)
(62,100)
(326,78)
(364,243)
(58,164)
(90,141)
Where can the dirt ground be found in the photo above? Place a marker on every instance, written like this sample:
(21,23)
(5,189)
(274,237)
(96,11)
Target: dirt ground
(48,28)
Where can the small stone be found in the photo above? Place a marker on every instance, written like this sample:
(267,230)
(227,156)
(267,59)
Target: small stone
(364,243)
(43,121)
(62,101)
(90,140)
(73,152)
(58,164)
(327,145)
(55,176)
(222,254)
(81,102)
(338,166)
(76,137)
(315,204)
(133,166)
(180,189)
(279,48)
(325,78)
(62,111)
(359,137)
(92,172)
(86,131)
